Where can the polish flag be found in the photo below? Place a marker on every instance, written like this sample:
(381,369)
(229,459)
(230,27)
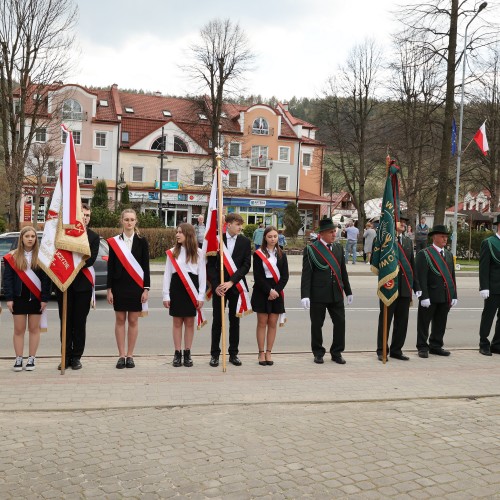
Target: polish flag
(210,242)
(480,138)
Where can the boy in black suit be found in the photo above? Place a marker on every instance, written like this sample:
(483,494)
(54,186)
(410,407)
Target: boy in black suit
(239,248)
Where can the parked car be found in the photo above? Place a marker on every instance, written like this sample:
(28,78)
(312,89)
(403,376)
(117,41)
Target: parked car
(9,241)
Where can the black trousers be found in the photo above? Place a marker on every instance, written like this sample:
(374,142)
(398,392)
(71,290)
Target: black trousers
(78,307)
(490,309)
(438,315)
(317,313)
(399,310)
(234,323)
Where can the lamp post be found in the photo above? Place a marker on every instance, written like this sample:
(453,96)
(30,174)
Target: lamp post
(161,156)
(459,149)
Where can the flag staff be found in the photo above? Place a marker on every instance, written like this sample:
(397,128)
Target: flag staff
(63,331)
(386,312)
(220,201)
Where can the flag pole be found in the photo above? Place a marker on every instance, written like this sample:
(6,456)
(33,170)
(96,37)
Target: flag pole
(384,325)
(220,201)
(63,331)
(466,147)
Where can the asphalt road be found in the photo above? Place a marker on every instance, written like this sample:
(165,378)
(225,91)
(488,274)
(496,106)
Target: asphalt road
(155,336)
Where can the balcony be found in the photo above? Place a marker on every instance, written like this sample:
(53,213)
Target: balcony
(260,163)
(259,191)
(260,131)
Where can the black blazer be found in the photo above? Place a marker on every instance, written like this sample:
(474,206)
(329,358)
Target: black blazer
(242,257)
(259,274)
(432,285)
(81,283)
(12,284)
(489,269)
(140,250)
(321,286)
(403,289)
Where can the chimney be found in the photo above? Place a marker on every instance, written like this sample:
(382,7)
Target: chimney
(285,106)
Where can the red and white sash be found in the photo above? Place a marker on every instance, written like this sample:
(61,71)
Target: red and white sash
(190,288)
(34,285)
(275,272)
(129,262)
(243,305)
(89,273)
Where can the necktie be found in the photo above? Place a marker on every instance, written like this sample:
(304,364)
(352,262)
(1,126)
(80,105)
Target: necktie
(329,246)
(442,253)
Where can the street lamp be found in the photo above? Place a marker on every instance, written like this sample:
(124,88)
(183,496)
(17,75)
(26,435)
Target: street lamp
(459,152)
(161,156)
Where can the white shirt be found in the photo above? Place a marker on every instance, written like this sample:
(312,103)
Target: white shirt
(230,242)
(438,249)
(273,259)
(199,269)
(28,256)
(128,241)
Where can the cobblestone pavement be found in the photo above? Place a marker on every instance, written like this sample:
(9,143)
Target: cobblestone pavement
(417,429)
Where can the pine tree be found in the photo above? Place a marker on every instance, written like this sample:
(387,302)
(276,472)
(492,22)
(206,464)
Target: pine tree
(291,220)
(100,198)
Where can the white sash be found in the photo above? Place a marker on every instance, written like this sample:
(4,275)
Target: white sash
(243,305)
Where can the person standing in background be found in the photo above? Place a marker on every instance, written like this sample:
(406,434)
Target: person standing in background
(352,233)
(421,235)
(258,234)
(368,238)
(200,229)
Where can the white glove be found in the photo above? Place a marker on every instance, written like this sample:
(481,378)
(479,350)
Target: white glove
(418,294)
(484,294)
(350,298)
(306,303)
(425,303)
(454,302)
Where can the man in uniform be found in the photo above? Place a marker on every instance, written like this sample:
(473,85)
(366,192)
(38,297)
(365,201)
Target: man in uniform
(489,288)
(436,278)
(324,282)
(399,309)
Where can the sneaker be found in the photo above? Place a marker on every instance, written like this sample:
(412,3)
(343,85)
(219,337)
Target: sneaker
(18,365)
(30,365)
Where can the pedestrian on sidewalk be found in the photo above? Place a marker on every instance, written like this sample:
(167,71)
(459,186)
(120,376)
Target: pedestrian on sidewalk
(436,277)
(323,284)
(128,285)
(270,271)
(421,235)
(281,239)
(200,229)
(257,236)
(352,233)
(489,286)
(368,239)
(27,291)
(184,284)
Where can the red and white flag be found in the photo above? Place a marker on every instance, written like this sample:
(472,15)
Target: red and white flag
(210,241)
(480,138)
(65,245)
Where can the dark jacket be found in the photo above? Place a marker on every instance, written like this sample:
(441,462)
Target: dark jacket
(242,257)
(259,274)
(140,250)
(12,284)
(489,269)
(403,289)
(319,285)
(81,283)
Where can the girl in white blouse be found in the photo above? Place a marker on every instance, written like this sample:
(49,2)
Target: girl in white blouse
(184,284)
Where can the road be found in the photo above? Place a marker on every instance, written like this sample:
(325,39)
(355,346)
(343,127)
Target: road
(155,330)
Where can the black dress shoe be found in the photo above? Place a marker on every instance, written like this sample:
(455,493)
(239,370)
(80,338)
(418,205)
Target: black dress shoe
(423,354)
(495,350)
(76,364)
(214,361)
(381,357)
(187,358)
(66,365)
(235,360)
(121,363)
(439,352)
(401,356)
(130,363)
(486,351)
(177,361)
(338,359)
(318,359)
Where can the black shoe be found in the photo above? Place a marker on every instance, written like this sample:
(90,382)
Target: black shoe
(66,365)
(262,363)
(486,351)
(270,362)
(495,350)
(235,360)
(76,364)
(337,358)
(187,358)
(381,358)
(401,356)
(121,363)
(423,354)
(439,351)
(318,359)
(130,363)
(214,361)
(177,361)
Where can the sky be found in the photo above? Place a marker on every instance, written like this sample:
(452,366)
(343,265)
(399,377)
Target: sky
(298,45)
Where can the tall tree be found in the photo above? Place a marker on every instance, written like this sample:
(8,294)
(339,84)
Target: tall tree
(35,38)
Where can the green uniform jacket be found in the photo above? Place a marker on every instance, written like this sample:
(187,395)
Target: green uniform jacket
(432,285)
(489,268)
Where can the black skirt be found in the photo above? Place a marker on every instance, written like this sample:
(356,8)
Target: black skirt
(261,303)
(126,294)
(181,305)
(23,305)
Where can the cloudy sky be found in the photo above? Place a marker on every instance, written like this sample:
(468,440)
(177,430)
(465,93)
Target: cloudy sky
(298,43)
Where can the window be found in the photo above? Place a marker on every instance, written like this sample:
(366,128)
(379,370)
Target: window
(282,184)
(198,178)
(103,103)
(235,149)
(129,110)
(170,175)
(158,143)
(41,135)
(202,116)
(260,127)
(306,160)
(233,180)
(125,137)
(259,156)
(137,174)
(72,110)
(88,171)
(258,184)
(166,112)
(284,154)
(180,145)
(100,139)
(77,137)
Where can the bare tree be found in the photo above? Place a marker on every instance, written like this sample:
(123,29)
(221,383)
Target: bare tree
(35,38)
(219,62)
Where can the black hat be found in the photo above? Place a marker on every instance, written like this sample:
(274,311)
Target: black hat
(497,221)
(326,224)
(439,229)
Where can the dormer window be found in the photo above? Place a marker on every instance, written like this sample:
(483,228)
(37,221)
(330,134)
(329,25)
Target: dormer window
(103,103)
(72,110)
(167,113)
(129,110)
(202,116)
(223,114)
(260,127)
